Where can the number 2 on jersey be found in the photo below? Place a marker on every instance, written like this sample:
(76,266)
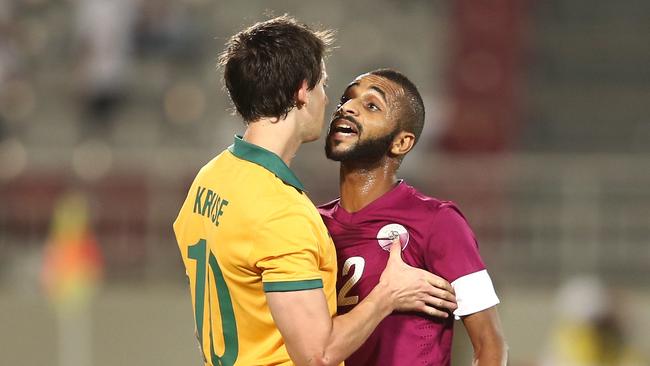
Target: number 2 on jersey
(359,264)
(231,345)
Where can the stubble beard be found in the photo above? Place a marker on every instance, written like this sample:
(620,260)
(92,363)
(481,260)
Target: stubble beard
(369,151)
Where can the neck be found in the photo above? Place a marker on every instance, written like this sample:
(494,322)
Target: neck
(278,136)
(362,183)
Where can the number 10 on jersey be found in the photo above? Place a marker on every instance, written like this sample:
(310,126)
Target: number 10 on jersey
(212,276)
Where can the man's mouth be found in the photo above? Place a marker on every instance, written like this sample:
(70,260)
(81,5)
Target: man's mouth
(343,127)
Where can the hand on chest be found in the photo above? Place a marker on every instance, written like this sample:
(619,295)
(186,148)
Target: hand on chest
(362,254)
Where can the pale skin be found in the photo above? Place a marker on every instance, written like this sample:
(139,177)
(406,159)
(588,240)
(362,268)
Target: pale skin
(374,103)
(311,336)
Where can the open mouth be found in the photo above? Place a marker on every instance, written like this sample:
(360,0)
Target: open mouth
(343,127)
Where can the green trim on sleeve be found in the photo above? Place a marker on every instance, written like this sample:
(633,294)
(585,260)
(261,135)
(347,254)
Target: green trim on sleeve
(285,286)
(265,158)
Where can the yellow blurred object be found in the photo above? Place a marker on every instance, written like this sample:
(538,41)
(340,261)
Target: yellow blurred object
(72,266)
(589,345)
(588,331)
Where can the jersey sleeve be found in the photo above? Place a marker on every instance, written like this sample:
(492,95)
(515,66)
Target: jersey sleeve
(287,251)
(453,255)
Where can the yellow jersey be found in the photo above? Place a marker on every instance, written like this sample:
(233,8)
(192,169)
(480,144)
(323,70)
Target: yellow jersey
(246,228)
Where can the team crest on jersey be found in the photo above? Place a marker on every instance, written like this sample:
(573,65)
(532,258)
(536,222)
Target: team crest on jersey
(389,232)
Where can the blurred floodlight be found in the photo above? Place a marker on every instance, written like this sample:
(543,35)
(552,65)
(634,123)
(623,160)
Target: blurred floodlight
(92,159)
(184,102)
(13,159)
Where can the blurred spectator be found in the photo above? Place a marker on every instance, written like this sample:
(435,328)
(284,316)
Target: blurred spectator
(104,32)
(72,261)
(164,29)
(72,270)
(588,331)
(8,52)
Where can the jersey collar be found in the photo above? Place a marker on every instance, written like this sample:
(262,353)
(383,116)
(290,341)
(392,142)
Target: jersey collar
(265,158)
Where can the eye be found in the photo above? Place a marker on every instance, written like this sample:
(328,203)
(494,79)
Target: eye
(373,107)
(342,101)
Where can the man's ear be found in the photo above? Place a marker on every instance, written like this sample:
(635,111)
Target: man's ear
(302,96)
(402,143)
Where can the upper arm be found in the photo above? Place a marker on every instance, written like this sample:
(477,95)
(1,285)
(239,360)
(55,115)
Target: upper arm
(304,322)
(287,251)
(453,254)
(452,250)
(288,257)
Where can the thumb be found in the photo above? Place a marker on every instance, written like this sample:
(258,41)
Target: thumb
(396,250)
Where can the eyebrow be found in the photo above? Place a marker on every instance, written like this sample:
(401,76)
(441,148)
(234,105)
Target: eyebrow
(354,83)
(381,92)
(373,87)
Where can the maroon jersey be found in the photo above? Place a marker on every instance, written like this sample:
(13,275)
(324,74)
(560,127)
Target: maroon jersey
(434,236)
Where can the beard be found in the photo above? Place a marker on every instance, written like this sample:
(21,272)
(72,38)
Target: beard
(368,151)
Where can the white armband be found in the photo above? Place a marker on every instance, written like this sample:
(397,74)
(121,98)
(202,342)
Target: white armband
(474,292)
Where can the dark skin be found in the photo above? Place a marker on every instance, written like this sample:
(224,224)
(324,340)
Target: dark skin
(372,101)
(374,104)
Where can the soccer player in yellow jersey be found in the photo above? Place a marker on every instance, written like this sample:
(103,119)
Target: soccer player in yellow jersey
(261,265)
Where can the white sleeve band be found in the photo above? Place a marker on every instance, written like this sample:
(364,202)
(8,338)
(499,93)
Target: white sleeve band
(474,292)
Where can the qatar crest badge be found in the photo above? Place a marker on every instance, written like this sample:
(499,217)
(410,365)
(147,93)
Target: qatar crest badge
(389,232)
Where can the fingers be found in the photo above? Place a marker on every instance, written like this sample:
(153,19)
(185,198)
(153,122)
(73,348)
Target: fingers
(430,278)
(396,250)
(430,305)
(438,293)
(441,303)
(442,291)
(431,311)
(438,282)
(443,295)
(417,289)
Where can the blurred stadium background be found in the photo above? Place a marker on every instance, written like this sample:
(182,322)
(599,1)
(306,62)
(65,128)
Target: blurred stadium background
(537,126)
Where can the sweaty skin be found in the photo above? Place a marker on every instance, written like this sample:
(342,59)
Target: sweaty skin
(362,183)
(375,104)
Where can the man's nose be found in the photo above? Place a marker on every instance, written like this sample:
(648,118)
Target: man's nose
(348,108)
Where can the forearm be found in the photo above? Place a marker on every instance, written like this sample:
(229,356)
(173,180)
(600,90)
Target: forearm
(350,330)
(492,353)
(313,338)
(488,341)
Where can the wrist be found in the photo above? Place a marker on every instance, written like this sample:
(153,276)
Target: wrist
(381,297)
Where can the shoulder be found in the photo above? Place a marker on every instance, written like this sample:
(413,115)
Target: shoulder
(438,215)
(260,192)
(289,216)
(327,209)
(435,206)
(215,163)
(227,167)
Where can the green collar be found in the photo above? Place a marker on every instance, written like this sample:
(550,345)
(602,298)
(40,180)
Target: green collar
(260,156)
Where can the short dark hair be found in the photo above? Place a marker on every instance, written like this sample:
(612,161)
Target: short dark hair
(411,118)
(265,65)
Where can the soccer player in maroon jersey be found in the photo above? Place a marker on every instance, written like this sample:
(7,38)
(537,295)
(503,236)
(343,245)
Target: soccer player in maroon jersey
(377,122)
